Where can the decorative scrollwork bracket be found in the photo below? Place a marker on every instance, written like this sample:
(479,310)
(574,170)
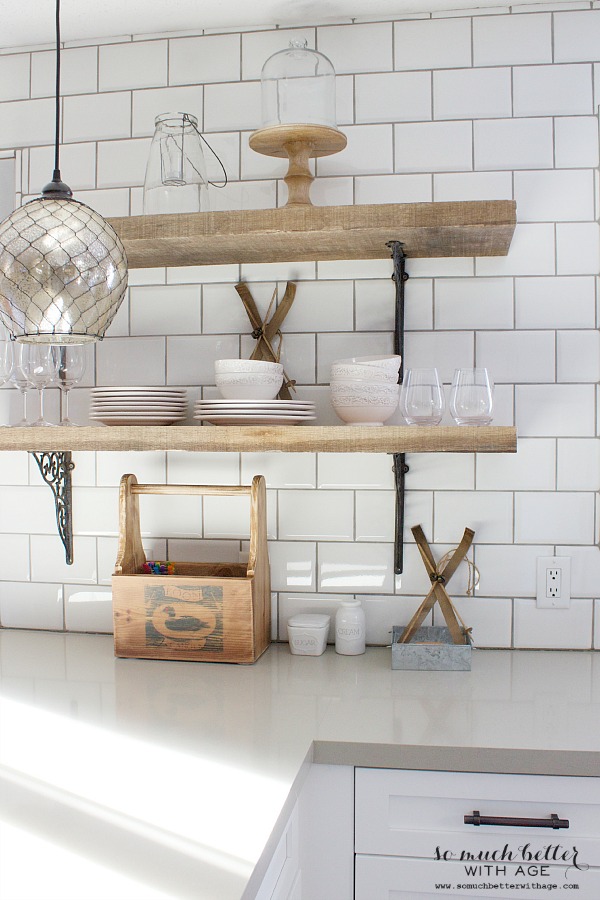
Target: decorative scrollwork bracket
(56,468)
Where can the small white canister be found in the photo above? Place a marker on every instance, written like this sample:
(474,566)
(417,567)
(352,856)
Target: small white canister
(308,633)
(350,628)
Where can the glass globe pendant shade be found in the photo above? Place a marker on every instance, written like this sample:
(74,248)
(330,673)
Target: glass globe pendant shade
(63,271)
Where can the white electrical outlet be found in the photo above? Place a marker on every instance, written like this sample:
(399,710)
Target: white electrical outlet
(553,582)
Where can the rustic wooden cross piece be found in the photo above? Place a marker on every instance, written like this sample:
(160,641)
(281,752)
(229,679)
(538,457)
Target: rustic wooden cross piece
(265,332)
(439,579)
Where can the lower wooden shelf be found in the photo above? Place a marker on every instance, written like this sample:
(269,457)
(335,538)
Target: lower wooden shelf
(258,438)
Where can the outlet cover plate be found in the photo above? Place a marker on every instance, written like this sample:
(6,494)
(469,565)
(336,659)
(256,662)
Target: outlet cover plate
(553,592)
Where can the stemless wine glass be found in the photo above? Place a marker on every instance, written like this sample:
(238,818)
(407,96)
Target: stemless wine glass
(422,397)
(6,360)
(39,366)
(70,369)
(472,397)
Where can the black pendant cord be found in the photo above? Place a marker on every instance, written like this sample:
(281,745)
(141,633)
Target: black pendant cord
(57,188)
(399,467)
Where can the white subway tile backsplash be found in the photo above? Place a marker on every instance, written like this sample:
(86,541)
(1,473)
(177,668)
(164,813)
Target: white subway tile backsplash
(223,311)
(508,570)
(14,549)
(472,93)
(258,46)
(514,357)
(48,560)
(321,515)
(576,35)
(152,102)
(191,359)
(331,347)
(472,186)
(566,302)
(95,117)
(122,163)
(510,40)
(205,468)
(578,356)
(79,160)
(432,44)
(354,471)
(108,202)
(369,151)
(31,606)
(149,467)
(466,303)
(434,147)
(356,567)
(281,470)
(585,569)
(27,509)
(560,410)
(375,514)
(444,350)
(437,471)
(488,513)
(201,60)
(563,517)
(552,90)
(335,191)
(131,361)
(393,97)
(164,309)
(140,64)
(532,468)
(229,517)
(578,464)
(154,548)
(88,610)
(14,77)
(357,48)
(293,565)
(27,123)
(232,107)
(489,617)
(576,141)
(577,248)
(14,467)
(393,189)
(513,143)
(321,306)
(568,629)
(531,253)
(555,196)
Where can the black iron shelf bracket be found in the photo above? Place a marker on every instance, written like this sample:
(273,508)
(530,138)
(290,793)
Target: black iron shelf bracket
(399,468)
(56,468)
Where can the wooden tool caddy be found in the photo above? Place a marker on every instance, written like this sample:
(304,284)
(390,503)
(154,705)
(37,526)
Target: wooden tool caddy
(212,612)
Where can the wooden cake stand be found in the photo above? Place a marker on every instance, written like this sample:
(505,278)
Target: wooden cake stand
(298,143)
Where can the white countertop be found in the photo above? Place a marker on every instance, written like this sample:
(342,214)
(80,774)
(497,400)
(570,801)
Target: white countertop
(147,780)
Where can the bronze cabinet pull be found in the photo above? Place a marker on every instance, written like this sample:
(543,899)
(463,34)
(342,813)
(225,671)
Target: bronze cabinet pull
(512,822)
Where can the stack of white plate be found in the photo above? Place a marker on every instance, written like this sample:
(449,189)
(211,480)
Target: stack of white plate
(138,405)
(254,412)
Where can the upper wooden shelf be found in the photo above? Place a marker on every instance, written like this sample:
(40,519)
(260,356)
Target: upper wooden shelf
(462,228)
(258,438)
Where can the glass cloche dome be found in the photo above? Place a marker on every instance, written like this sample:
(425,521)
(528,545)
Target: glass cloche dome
(298,88)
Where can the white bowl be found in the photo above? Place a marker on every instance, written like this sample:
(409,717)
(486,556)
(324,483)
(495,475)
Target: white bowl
(345,371)
(365,403)
(389,363)
(256,366)
(249,386)
(366,391)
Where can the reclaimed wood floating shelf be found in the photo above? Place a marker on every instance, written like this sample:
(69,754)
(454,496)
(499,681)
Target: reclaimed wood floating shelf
(258,438)
(313,233)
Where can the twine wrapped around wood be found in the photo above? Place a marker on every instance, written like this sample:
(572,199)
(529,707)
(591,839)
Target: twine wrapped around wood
(266,332)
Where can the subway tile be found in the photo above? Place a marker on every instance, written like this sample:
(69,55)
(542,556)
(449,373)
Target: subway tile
(317,515)
(513,144)
(393,189)
(14,550)
(515,357)
(383,613)
(509,570)
(297,356)
(293,565)
(14,78)
(467,303)
(568,629)
(107,202)
(78,72)
(510,40)
(191,359)
(596,643)
(38,606)
(223,311)
(355,268)
(335,191)
(531,253)
(345,345)
(545,517)
(434,147)
(576,35)
(258,46)
(27,509)
(432,44)
(131,361)
(472,93)
(27,123)
(152,102)
(170,516)
(558,410)
(576,142)
(532,468)
(393,97)
(444,350)
(472,186)
(290,604)
(140,64)
(229,517)
(321,306)
(344,99)
(148,467)
(122,163)
(88,610)
(369,152)
(281,470)
(578,356)
(375,514)
(243,195)
(414,578)
(48,560)
(578,464)
(489,617)
(95,511)
(259,165)
(165,309)
(96,117)
(232,107)
(375,304)
(577,248)
(488,513)
(436,471)
(14,469)
(557,196)
(350,568)
(198,274)
(557,302)
(355,471)
(357,48)
(154,548)
(441,267)
(552,90)
(200,60)
(585,569)
(204,468)
(79,160)
(294,271)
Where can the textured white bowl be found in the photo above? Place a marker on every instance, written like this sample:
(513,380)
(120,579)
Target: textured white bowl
(256,366)
(249,386)
(345,371)
(366,391)
(365,403)
(389,363)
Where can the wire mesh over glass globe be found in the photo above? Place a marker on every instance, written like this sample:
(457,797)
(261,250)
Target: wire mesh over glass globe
(298,88)
(63,272)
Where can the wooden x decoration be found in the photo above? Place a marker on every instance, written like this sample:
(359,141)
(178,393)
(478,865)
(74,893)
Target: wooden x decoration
(265,332)
(439,579)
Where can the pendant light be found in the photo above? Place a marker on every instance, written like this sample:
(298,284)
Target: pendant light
(63,269)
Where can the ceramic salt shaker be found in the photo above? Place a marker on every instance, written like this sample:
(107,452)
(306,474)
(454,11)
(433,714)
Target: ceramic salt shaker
(350,628)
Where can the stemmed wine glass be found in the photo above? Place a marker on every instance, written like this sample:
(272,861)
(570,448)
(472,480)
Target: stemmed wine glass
(20,378)
(38,366)
(6,360)
(70,369)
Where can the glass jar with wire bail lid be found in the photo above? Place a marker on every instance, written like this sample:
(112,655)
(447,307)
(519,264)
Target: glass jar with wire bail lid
(176,179)
(298,88)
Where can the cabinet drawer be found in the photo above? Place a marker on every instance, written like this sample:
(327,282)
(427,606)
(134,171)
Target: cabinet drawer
(411,813)
(394,878)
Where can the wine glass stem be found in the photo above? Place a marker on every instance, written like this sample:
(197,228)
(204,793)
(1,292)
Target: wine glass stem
(41,392)
(64,419)
(24,396)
